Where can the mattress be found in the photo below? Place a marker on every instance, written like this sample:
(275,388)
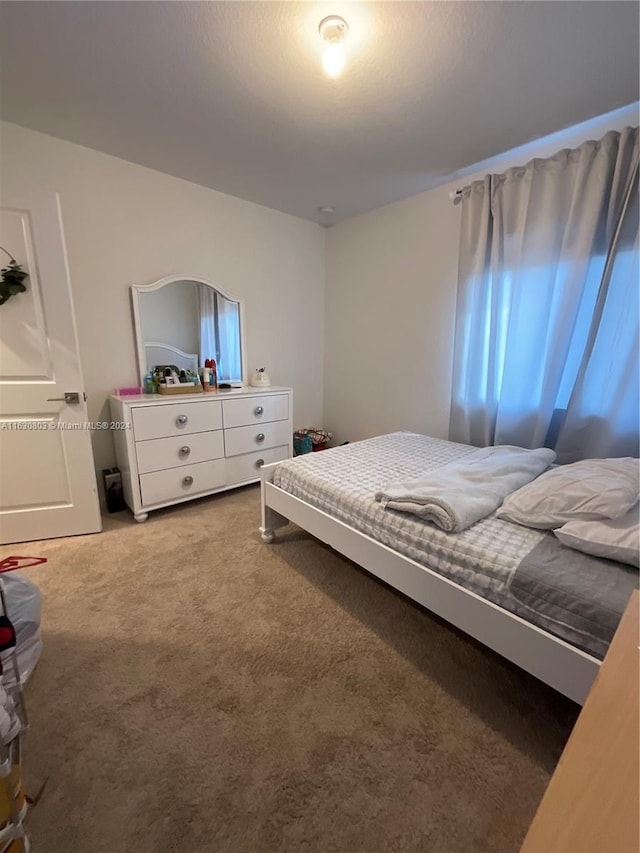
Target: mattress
(483,558)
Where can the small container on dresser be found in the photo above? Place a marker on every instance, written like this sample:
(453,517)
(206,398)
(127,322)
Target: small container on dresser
(176,450)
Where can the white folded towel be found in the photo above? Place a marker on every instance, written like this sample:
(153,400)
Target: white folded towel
(457,495)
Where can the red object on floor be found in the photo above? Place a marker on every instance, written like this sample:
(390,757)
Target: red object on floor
(10,564)
(7,634)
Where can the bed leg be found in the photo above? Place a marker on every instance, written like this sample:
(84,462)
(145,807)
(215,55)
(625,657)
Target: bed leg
(268,534)
(271,519)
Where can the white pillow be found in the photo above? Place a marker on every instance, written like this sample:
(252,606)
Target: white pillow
(587,490)
(615,539)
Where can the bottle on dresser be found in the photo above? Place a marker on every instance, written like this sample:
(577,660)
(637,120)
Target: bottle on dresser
(210,365)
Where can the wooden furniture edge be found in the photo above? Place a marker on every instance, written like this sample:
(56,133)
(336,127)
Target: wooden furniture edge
(591,804)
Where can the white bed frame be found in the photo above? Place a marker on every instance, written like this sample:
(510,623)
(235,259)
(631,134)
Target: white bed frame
(157,352)
(552,660)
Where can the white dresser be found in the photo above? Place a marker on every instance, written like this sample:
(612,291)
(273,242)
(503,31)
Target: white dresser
(175,448)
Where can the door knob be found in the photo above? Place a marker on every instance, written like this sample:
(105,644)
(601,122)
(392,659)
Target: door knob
(70,397)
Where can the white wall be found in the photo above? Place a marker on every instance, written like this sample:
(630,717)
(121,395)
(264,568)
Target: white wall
(171,315)
(390,301)
(125,224)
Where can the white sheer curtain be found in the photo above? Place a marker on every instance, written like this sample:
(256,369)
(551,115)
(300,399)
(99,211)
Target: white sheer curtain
(546,342)
(208,344)
(229,366)
(220,333)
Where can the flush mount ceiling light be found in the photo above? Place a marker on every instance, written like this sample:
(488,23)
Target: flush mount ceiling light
(333,30)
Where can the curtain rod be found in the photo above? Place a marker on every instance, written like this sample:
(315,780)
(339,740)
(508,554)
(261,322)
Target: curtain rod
(455,194)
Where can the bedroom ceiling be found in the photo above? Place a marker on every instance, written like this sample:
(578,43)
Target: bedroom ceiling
(232,95)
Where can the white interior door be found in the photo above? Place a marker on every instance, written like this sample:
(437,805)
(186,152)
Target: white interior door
(47,476)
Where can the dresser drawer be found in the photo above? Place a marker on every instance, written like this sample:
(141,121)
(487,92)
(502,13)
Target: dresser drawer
(176,483)
(241,469)
(248,438)
(176,418)
(159,453)
(255,410)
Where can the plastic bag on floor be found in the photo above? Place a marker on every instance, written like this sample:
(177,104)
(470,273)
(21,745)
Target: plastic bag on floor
(24,609)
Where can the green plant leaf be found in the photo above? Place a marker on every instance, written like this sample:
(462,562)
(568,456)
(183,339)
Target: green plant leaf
(12,281)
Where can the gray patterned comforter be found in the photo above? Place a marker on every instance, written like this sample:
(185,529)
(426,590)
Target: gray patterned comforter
(483,558)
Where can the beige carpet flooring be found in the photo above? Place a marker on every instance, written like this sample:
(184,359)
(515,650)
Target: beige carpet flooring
(202,691)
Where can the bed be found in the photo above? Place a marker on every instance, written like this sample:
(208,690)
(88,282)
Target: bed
(473,579)
(159,353)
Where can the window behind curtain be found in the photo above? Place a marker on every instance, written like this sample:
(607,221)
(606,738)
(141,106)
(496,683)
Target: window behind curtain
(546,348)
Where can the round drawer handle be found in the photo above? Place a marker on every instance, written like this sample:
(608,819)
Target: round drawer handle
(258,411)
(184,451)
(260,437)
(181,420)
(187,481)
(259,463)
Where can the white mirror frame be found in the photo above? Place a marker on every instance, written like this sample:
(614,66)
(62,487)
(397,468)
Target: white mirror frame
(138,289)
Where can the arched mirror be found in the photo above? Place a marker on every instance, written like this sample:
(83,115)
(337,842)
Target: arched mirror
(183,320)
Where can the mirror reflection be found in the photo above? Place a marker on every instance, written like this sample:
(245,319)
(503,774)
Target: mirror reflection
(186,322)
